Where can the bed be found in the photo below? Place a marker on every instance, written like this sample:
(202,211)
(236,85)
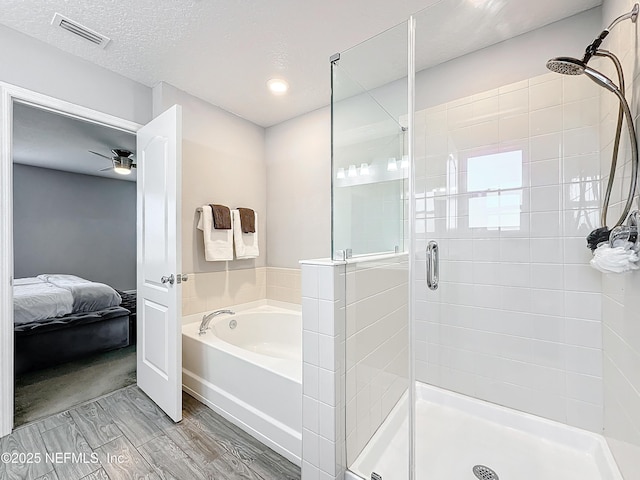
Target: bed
(59,318)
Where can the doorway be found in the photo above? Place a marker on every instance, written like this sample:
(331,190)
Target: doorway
(158,247)
(11,96)
(74,237)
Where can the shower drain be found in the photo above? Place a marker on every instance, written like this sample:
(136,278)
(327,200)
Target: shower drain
(484,473)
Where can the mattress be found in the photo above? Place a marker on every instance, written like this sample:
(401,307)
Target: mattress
(33,301)
(51,296)
(87,296)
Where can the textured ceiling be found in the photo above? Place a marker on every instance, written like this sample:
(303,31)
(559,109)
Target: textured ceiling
(224,51)
(48,140)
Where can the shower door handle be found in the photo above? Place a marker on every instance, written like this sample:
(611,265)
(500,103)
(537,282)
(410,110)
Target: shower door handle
(433,265)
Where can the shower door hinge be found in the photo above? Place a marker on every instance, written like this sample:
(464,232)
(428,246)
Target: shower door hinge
(334,58)
(375,476)
(342,255)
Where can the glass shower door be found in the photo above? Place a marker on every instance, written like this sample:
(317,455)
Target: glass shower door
(369,220)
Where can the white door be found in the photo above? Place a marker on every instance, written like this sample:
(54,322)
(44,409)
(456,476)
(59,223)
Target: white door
(159,346)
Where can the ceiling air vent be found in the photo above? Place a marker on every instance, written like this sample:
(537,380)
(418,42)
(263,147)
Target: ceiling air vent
(80,30)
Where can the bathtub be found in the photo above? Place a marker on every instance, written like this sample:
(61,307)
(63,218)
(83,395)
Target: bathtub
(250,372)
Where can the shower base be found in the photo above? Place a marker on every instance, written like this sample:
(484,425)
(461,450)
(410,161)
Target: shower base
(455,433)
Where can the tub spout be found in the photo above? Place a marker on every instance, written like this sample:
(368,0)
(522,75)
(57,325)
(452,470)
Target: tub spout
(206,319)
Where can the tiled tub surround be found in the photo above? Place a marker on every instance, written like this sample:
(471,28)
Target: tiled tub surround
(377,346)
(323,320)
(213,290)
(365,363)
(620,312)
(507,183)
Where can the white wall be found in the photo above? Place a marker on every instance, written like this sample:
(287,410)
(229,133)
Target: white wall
(37,66)
(222,162)
(620,313)
(298,159)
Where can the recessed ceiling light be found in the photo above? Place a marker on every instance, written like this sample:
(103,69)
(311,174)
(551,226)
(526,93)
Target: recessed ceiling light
(278,86)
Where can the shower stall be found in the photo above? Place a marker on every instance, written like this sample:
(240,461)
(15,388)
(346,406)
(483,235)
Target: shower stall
(465,180)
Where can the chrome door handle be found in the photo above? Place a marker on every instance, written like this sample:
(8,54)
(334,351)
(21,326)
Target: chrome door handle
(170,279)
(433,265)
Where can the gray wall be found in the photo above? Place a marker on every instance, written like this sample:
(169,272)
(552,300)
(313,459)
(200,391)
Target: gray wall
(76,224)
(222,162)
(298,158)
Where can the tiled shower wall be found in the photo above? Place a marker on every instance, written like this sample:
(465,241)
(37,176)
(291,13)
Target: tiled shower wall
(508,184)
(620,312)
(377,355)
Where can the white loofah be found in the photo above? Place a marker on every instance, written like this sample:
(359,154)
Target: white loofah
(616,259)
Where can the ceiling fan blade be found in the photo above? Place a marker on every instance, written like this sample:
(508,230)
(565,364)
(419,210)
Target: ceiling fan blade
(105,169)
(100,155)
(121,152)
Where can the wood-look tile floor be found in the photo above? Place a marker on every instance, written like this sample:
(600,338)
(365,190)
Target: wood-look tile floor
(125,436)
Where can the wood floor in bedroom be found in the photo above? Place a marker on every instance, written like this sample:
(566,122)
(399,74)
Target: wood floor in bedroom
(125,436)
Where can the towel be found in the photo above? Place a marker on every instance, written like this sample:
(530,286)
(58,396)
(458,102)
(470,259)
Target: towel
(247,220)
(246,243)
(218,244)
(221,217)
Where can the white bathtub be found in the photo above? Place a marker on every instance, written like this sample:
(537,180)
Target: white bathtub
(250,374)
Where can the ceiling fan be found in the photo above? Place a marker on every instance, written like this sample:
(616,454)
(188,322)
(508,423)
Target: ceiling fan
(122,161)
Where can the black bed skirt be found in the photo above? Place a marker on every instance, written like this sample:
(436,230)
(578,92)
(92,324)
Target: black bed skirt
(60,340)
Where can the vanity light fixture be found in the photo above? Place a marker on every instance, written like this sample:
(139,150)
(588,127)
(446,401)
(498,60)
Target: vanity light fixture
(364,169)
(392,165)
(340,173)
(353,172)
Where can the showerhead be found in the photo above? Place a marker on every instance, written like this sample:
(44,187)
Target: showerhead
(566,66)
(573,66)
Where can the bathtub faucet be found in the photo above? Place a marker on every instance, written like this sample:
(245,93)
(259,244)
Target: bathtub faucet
(206,319)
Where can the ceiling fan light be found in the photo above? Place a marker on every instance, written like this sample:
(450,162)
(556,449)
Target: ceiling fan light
(122,170)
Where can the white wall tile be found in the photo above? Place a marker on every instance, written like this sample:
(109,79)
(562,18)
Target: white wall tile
(519,308)
(545,147)
(310,414)
(547,94)
(310,380)
(310,314)
(311,447)
(310,472)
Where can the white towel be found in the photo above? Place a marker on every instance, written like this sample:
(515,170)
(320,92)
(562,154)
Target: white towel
(218,244)
(246,243)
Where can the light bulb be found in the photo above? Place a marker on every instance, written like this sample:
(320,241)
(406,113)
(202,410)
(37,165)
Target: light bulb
(353,172)
(404,163)
(340,173)
(392,165)
(278,86)
(364,169)
(122,170)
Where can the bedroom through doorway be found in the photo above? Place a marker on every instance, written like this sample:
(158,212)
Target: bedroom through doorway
(74,244)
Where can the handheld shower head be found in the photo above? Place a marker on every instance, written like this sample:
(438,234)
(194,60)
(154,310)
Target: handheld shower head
(573,66)
(602,80)
(566,66)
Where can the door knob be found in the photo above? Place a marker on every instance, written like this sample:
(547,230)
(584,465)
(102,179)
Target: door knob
(170,279)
